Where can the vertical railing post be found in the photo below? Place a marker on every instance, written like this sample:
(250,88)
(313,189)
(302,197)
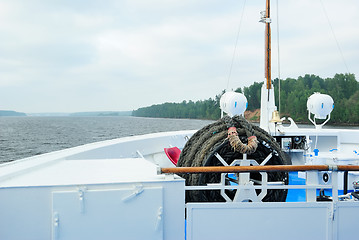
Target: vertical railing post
(311,180)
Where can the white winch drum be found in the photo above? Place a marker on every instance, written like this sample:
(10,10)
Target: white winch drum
(321,105)
(233,103)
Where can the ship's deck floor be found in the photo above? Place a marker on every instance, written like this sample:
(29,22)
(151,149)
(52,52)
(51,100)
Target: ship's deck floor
(74,172)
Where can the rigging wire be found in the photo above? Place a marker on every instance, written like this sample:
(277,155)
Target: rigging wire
(235,46)
(335,38)
(278,58)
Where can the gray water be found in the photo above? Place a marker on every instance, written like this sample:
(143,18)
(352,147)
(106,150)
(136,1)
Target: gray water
(22,137)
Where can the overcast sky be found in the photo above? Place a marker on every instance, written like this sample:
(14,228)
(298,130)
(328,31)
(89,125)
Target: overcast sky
(117,55)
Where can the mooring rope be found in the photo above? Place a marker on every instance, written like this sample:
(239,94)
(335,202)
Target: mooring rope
(244,137)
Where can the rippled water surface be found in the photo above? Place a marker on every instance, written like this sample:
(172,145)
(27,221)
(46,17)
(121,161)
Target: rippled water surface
(22,137)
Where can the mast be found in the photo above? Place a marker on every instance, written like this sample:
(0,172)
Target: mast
(267,21)
(267,92)
(265,18)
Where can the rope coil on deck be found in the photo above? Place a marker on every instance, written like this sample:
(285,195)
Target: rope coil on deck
(230,138)
(237,144)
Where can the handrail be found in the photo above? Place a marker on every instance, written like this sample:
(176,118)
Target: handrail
(268,168)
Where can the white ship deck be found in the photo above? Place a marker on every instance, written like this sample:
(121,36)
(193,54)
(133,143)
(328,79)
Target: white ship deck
(77,172)
(115,161)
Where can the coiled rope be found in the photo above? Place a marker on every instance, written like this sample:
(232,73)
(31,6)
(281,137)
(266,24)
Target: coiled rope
(234,140)
(230,138)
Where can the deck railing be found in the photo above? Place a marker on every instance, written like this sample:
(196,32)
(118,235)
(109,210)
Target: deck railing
(311,179)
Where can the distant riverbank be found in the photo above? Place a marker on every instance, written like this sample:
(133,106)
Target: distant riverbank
(7,113)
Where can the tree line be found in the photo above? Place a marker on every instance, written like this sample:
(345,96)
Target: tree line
(206,109)
(343,88)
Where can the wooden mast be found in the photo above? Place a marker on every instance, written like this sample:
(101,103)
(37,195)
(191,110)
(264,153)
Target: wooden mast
(268,46)
(267,93)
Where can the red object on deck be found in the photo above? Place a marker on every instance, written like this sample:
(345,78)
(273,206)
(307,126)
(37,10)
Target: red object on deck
(173,154)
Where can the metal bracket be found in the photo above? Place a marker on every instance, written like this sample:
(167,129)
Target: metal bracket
(332,211)
(245,188)
(264,19)
(55,222)
(221,159)
(159,217)
(138,189)
(333,168)
(56,219)
(81,193)
(140,154)
(266,159)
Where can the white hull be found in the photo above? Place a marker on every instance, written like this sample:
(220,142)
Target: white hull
(111,190)
(89,192)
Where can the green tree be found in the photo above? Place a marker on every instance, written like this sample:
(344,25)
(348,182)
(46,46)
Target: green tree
(343,88)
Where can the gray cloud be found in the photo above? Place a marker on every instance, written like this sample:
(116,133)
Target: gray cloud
(67,56)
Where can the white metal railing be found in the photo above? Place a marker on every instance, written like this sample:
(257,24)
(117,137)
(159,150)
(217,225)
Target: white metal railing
(246,190)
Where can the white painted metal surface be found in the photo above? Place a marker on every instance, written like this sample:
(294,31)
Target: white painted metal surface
(267,108)
(105,190)
(233,103)
(77,172)
(321,105)
(149,146)
(111,189)
(258,221)
(272,220)
(108,214)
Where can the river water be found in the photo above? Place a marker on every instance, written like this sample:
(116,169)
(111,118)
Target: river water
(22,137)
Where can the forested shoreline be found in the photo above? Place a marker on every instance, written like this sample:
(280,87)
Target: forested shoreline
(343,88)
(9,113)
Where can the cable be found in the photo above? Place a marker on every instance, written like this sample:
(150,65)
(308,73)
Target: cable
(235,46)
(278,57)
(335,38)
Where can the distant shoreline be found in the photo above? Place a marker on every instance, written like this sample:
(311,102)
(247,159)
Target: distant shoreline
(63,114)
(251,116)
(9,113)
